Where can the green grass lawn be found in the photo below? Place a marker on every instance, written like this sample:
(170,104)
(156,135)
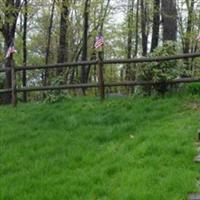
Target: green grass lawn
(123,149)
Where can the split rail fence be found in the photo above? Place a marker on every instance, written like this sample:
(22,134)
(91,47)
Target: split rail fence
(100,84)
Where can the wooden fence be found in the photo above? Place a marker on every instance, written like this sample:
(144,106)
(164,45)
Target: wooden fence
(101,85)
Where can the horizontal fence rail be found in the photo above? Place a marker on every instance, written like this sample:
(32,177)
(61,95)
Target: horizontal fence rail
(106,62)
(2,91)
(5,70)
(59,87)
(101,85)
(95,85)
(59,65)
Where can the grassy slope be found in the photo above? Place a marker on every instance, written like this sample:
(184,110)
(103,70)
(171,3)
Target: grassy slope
(125,149)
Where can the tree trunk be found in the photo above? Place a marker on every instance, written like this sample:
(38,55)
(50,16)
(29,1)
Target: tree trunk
(85,39)
(25,48)
(156,25)
(187,43)
(130,38)
(8,27)
(63,41)
(169,20)
(137,29)
(49,42)
(144,27)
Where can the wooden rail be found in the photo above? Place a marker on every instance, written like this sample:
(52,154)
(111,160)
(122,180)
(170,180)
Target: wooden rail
(5,70)
(101,85)
(95,85)
(2,91)
(109,62)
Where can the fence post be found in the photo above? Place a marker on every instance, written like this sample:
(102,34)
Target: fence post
(100,76)
(14,92)
(24,85)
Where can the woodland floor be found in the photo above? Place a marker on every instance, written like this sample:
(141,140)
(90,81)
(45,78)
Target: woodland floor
(80,149)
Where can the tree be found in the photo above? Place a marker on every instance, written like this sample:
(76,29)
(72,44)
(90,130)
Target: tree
(187,42)
(169,20)
(49,40)
(8,21)
(144,21)
(130,36)
(85,39)
(156,24)
(25,47)
(63,40)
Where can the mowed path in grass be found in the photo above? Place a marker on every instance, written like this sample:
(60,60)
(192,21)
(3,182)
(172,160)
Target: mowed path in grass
(80,149)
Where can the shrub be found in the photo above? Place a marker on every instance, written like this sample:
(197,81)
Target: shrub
(194,88)
(161,71)
(57,95)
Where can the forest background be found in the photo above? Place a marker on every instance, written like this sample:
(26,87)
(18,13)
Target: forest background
(59,31)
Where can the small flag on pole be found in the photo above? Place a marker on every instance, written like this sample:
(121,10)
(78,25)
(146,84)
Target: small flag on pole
(198,37)
(10,51)
(99,42)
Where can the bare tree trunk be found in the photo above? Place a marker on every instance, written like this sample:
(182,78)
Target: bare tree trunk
(169,19)
(25,48)
(8,27)
(130,37)
(63,41)
(187,47)
(49,42)
(137,29)
(85,39)
(144,27)
(187,43)
(156,25)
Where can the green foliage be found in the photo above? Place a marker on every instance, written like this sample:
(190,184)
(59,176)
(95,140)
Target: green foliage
(196,67)
(123,149)
(165,70)
(194,88)
(2,79)
(56,96)
(161,71)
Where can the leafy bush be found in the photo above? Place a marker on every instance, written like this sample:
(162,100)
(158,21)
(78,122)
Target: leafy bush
(52,97)
(165,70)
(194,88)
(57,95)
(161,71)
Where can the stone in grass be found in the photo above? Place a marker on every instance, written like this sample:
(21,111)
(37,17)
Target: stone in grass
(194,197)
(197,159)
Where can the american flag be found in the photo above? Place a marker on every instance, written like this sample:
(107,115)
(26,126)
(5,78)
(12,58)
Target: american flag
(10,51)
(198,37)
(99,42)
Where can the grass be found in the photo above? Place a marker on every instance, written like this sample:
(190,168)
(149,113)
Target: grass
(124,149)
